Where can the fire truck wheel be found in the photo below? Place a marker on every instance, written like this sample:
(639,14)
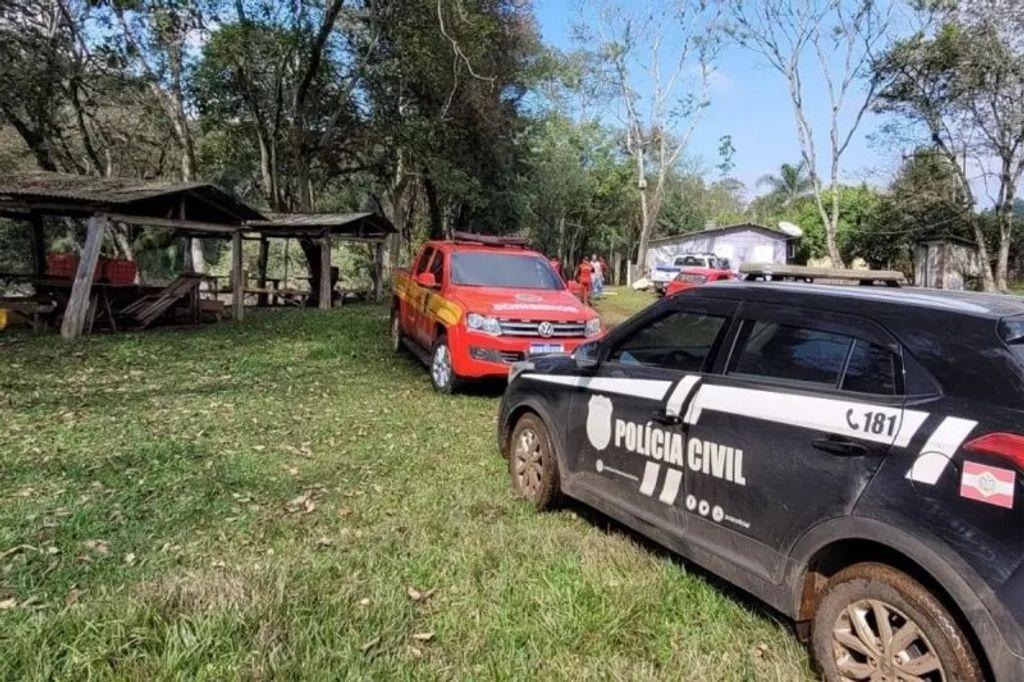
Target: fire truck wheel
(442,374)
(397,337)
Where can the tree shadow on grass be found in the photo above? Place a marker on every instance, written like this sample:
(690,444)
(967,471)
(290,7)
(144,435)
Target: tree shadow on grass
(609,525)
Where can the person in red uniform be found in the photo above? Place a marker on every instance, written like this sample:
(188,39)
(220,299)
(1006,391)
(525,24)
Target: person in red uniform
(585,274)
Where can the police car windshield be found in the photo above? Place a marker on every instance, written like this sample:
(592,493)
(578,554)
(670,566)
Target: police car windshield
(480,269)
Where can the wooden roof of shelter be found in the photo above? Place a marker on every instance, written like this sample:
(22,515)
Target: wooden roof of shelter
(369,226)
(191,207)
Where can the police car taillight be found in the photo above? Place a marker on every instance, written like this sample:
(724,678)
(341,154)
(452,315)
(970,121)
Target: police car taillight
(1007,446)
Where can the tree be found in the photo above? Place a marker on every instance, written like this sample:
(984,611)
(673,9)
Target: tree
(660,109)
(924,201)
(791,184)
(842,37)
(963,82)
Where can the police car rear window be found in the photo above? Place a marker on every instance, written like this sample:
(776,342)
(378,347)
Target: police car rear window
(792,353)
(782,351)
(871,369)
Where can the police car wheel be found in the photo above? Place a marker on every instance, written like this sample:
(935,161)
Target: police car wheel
(532,464)
(875,622)
(442,374)
(397,336)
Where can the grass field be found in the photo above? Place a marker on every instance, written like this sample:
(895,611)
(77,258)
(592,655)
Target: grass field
(285,498)
(620,303)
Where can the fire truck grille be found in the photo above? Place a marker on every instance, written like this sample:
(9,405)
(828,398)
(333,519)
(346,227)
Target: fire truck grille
(532,328)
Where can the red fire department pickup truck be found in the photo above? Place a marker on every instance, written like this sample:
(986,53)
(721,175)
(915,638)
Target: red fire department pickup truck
(472,306)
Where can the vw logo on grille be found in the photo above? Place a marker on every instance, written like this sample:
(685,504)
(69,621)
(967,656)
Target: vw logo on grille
(545,329)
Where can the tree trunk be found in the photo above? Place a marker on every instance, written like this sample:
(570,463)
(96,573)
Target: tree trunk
(987,282)
(311,250)
(645,235)
(1005,237)
(436,221)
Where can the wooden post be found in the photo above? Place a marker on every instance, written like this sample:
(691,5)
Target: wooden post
(38,239)
(325,272)
(237,278)
(378,270)
(261,266)
(81,290)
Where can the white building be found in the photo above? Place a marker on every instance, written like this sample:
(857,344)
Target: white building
(744,243)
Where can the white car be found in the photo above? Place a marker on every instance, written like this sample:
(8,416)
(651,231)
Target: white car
(661,275)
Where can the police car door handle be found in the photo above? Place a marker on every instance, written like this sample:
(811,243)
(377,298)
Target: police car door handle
(662,417)
(840,446)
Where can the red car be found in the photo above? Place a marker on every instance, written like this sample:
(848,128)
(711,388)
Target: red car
(694,277)
(472,306)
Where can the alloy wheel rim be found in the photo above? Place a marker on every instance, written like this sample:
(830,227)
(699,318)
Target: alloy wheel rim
(873,640)
(529,465)
(441,369)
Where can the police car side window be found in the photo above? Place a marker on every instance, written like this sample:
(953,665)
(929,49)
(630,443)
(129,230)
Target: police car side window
(787,352)
(871,369)
(679,341)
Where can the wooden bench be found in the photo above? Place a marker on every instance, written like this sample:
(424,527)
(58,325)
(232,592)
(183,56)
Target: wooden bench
(29,309)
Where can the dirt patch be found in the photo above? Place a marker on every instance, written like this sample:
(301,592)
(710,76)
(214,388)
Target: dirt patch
(212,590)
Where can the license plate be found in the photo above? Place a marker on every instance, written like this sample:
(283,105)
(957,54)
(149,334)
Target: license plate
(542,348)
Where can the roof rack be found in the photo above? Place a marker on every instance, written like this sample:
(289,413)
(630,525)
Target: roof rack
(488,239)
(770,272)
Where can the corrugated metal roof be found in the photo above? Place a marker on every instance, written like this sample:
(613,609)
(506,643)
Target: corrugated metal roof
(353,224)
(88,188)
(60,193)
(726,228)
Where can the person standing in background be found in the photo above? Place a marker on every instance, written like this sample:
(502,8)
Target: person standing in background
(556,265)
(585,276)
(597,276)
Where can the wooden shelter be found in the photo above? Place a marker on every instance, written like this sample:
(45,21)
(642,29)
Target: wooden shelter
(193,209)
(368,228)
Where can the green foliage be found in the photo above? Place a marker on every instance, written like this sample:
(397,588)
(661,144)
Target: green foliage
(574,189)
(860,213)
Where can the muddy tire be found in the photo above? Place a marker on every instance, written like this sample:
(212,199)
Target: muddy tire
(532,463)
(875,622)
(442,374)
(397,337)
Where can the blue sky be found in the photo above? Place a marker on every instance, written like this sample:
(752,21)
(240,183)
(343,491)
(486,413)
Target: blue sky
(750,102)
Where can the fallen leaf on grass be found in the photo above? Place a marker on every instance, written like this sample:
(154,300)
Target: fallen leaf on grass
(365,601)
(417,595)
(303,503)
(415,652)
(15,550)
(369,645)
(423,636)
(8,604)
(98,546)
(74,595)
(129,558)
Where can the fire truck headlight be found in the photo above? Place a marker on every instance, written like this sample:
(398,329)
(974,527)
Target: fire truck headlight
(483,323)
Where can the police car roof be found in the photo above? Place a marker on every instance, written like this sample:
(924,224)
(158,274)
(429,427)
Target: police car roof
(966,303)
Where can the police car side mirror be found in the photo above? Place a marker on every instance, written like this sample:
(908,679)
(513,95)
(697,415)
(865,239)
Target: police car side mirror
(586,355)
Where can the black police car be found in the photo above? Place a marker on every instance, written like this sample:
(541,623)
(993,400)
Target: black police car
(850,455)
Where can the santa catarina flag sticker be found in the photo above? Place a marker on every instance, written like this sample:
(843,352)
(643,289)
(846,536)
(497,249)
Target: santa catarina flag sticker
(988,484)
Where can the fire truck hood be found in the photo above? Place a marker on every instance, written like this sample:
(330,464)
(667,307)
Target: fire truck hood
(518,304)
